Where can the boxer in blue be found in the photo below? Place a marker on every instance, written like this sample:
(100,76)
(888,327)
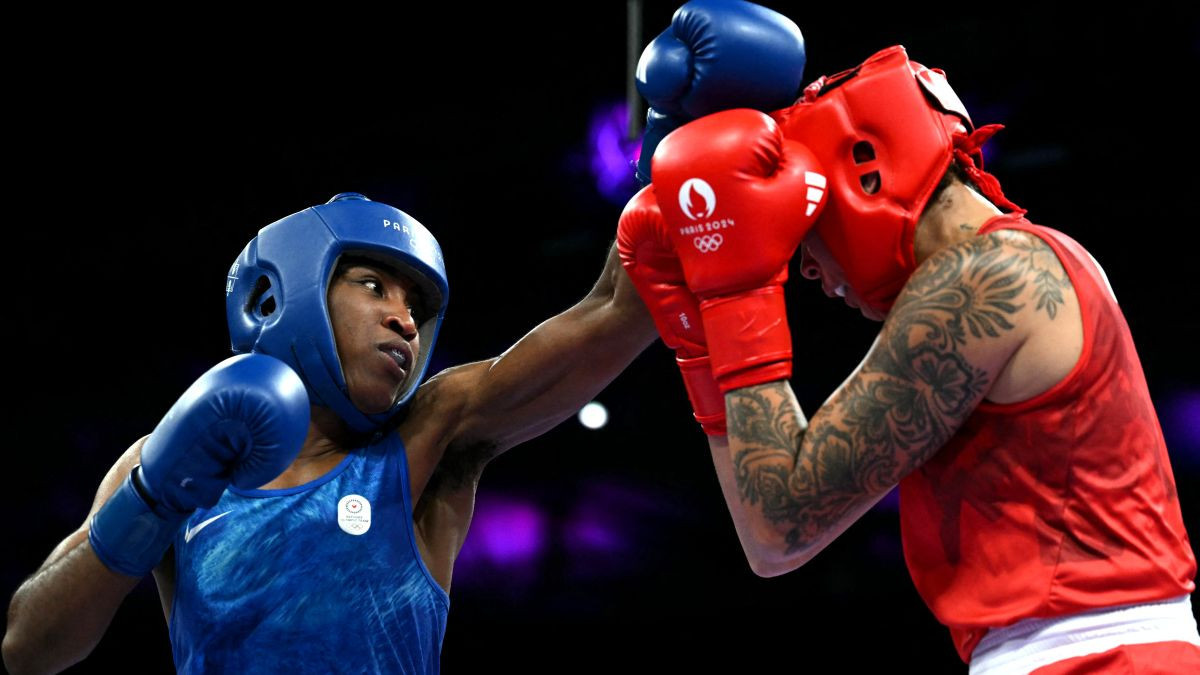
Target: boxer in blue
(302,504)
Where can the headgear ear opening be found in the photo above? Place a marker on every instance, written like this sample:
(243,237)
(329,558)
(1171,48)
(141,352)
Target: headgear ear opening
(262,300)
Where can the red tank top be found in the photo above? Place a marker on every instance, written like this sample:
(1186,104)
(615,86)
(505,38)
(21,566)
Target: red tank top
(1057,504)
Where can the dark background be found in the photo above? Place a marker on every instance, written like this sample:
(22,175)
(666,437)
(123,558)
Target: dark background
(141,162)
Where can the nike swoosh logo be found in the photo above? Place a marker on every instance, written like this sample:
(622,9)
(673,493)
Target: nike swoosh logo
(191,531)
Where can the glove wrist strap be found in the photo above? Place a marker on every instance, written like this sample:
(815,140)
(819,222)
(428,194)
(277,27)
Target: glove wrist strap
(127,535)
(708,403)
(748,337)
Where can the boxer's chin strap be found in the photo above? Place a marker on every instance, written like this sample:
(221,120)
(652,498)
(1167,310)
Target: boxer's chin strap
(966,149)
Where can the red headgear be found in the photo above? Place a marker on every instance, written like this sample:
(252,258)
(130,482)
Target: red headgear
(885,132)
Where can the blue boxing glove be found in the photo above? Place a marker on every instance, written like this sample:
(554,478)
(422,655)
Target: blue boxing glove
(242,422)
(717,55)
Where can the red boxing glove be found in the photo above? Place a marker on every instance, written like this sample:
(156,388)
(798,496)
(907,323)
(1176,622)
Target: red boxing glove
(737,198)
(652,266)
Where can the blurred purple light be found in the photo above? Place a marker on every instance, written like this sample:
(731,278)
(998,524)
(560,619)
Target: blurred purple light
(609,524)
(591,530)
(611,152)
(1181,426)
(504,532)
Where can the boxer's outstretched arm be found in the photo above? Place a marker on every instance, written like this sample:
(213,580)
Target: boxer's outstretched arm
(548,374)
(955,326)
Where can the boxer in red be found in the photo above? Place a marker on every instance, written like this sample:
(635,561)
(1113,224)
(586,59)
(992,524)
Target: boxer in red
(1003,395)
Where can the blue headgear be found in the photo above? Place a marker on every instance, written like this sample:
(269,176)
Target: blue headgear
(275,296)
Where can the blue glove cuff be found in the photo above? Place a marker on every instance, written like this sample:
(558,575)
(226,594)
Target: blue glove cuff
(127,535)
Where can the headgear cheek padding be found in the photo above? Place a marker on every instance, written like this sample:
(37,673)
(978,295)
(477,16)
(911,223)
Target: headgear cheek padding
(886,132)
(275,294)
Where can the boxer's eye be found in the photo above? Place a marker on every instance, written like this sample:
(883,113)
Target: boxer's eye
(372,285)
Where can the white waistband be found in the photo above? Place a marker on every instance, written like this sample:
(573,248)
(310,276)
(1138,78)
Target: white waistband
(1032,643)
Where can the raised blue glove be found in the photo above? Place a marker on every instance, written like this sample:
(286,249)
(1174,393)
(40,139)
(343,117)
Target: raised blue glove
(242,422)
(717,55)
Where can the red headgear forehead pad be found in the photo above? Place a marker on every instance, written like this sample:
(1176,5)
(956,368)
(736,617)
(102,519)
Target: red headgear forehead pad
(885,132)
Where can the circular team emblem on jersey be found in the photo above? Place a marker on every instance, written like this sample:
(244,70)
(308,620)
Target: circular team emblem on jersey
(708,242)
(354,514)
(697,199)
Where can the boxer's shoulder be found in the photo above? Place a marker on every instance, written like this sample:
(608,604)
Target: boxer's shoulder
(1019,286)
(1055,324)
(1022,271)
(1003,301)
(1013,273)
(434,431)
(1035,256)
(444,463)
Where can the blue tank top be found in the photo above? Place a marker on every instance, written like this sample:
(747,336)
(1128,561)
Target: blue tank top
(323,577)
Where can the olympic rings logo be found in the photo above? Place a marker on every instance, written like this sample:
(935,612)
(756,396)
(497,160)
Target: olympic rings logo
(708,243)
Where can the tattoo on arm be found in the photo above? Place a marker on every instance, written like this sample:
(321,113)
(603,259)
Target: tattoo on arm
(1049,277)
(770,428)
(915,389)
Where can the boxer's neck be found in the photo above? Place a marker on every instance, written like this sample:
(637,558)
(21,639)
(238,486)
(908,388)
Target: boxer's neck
(327,434)
(955,217)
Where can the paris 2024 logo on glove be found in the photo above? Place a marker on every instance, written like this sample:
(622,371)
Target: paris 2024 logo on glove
(697,201)
(696,192)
